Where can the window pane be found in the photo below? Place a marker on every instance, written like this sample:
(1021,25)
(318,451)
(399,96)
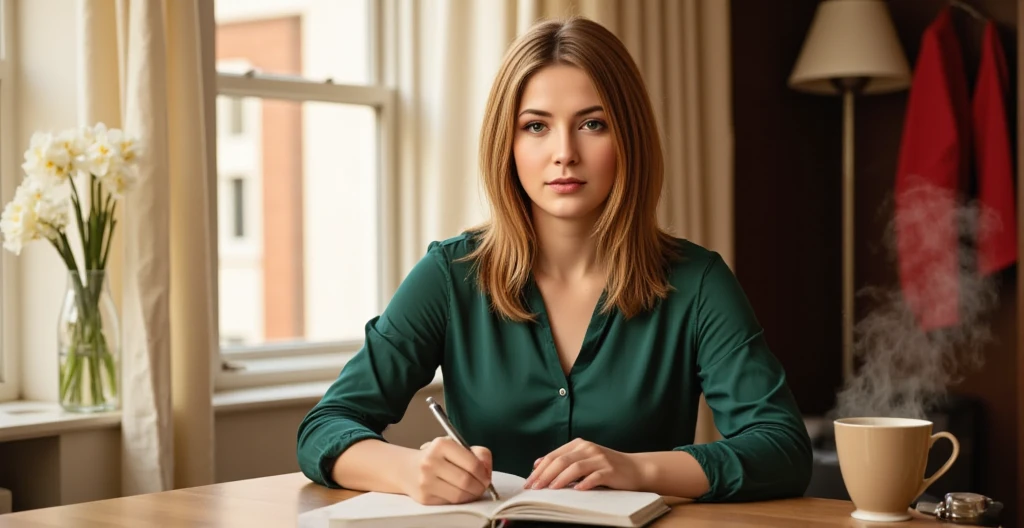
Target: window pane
(237,117)
(238,206)
(317,39)
(300,185)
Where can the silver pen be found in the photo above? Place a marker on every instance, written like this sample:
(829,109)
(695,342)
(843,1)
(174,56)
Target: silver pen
(450,429)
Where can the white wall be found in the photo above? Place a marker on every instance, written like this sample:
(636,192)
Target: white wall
(258,443)
(46,99)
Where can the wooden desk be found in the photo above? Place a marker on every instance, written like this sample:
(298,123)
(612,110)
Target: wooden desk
(277,501)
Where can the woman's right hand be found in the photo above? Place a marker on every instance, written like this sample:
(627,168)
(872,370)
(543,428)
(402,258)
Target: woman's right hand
(443,472)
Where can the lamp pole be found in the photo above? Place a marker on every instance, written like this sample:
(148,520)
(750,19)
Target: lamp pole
(850,88)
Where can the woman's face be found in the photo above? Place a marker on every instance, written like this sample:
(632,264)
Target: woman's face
(563,148)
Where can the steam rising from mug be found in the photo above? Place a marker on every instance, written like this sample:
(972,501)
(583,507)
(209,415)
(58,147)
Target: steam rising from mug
(903,370)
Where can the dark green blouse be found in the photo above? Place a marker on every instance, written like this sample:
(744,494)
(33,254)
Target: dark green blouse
(634,387)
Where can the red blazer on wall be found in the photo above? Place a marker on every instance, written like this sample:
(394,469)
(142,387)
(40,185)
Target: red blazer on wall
(997,238)
(944,140)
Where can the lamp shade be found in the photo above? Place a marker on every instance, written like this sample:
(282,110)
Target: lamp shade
(850,39)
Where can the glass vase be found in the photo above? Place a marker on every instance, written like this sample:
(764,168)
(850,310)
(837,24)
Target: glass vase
(88,342)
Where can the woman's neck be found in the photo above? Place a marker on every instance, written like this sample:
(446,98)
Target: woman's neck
(566,248)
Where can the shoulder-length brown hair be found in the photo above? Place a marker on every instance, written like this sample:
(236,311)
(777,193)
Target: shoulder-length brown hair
(631,246)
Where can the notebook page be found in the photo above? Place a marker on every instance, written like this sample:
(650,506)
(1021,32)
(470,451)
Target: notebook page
(595,501)
(507,485)
(375,505)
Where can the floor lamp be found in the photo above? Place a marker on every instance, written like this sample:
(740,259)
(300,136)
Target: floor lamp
(851,49)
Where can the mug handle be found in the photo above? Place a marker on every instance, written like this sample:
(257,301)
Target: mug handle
(945,467)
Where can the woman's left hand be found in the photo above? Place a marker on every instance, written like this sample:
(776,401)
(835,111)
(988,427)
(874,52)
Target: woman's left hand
(590,464)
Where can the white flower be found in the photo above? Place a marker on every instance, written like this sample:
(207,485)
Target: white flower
(52,214)
(86,134)
(50,158)
(101,155)
(114,157)
(121,182)
(77,143)
(127,144)
(34,213)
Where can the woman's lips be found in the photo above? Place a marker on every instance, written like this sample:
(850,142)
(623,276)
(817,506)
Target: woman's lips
(565,185)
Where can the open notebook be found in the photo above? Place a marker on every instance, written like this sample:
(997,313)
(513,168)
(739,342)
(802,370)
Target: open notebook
(599,506)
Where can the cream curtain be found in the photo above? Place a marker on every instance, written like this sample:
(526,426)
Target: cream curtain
(141,69)
(446,53)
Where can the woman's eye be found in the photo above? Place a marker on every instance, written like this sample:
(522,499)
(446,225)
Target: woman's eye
(536,128)
(593,125)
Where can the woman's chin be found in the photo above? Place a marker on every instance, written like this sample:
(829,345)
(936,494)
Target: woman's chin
(574,213)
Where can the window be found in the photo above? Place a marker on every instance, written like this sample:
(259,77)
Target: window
(237,117)
(8,181)
(238,206)
(303,134)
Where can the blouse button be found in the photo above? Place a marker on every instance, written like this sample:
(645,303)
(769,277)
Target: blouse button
(561,392)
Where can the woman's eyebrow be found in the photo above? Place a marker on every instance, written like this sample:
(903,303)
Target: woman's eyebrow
(585,111)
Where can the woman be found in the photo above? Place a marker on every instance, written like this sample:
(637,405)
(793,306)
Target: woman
(574,336)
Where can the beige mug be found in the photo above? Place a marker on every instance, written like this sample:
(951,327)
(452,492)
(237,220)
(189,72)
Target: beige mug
(883,461)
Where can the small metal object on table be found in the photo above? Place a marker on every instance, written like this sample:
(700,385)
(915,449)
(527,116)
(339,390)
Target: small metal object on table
(964,508)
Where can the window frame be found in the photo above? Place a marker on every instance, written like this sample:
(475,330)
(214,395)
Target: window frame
(250,366)
(10,377)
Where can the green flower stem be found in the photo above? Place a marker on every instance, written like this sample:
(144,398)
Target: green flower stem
(68,372)
(88,372)
(88,368)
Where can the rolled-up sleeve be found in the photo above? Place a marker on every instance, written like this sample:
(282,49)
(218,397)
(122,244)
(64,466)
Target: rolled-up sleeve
(401,352)
(766,451)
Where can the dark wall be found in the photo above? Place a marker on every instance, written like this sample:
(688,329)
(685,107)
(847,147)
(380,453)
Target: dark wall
(788,216)
(788,206)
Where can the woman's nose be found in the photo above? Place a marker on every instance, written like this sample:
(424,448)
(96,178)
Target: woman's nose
(567,153)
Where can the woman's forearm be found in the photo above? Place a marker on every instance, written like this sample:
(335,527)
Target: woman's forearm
(672,473)
(373,465)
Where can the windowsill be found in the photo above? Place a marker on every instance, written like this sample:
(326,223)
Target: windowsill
(276,396)
(241,373)
(269,397)
(20,420)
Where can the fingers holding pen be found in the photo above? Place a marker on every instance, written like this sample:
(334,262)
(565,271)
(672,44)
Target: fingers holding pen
(447,473)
